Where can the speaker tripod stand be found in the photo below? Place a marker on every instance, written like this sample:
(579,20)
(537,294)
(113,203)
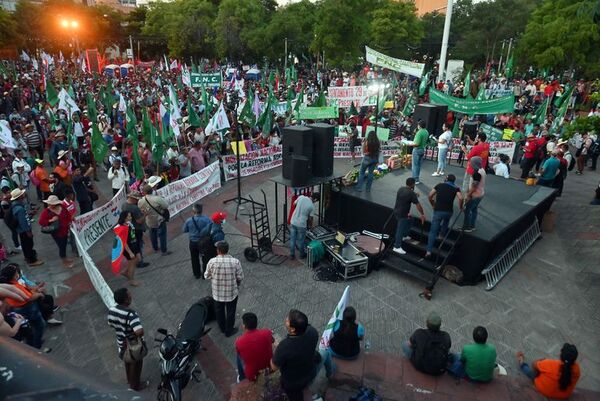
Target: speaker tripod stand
(238,199)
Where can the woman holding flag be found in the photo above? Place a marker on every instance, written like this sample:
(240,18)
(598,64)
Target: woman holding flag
(125,244)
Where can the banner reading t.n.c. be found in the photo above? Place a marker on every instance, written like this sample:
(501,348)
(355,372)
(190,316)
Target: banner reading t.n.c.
(200,80)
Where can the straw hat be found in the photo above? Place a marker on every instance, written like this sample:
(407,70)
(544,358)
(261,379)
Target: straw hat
(16,194)
(154,180)
(53,200)
(62,153)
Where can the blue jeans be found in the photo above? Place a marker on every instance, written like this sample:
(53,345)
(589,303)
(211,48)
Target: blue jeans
(297,240)
(32,312)
(407,350)
(439,224)
(240,367)
(368,163)
(456,367)
(471,212)
(417,157)
(528,371)
(157,234)
(402,229)
(442,153)
(325,362)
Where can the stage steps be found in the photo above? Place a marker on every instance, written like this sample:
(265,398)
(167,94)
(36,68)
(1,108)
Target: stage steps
(414,263)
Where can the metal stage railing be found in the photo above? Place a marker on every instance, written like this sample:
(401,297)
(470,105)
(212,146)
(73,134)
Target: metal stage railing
(507,259)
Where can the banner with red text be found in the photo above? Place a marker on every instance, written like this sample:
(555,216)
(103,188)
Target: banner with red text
(253,162)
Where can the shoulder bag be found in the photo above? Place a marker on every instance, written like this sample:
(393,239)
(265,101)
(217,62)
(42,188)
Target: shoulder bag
(136,350)
(166,215)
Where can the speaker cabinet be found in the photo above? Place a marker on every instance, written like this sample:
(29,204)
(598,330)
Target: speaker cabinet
(470,129)
(322,160)
(298,141)
(427,113)
(300,171)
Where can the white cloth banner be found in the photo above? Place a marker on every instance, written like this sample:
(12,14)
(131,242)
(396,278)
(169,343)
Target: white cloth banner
(6,138)
(344,96)
(90,227)
(395,64)
(337,315)
(187,191)
(253,162)
(497,148)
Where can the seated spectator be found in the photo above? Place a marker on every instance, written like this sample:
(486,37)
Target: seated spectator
(551,377)
(296,357)
(254,348)
(428,349)
(347,334)
(502,168)
(478,360)
(28,308)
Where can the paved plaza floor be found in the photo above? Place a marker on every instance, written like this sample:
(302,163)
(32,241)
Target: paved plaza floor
(550,297)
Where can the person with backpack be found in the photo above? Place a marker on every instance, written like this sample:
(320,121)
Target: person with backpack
(198,227)
(429,349)
(23,226)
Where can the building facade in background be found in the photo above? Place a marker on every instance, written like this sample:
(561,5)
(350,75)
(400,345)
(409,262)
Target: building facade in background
(427,6)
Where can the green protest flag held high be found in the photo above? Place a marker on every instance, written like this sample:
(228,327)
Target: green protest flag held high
(467,87)
(321,100)
(91,105)
(560,115)
(130,121)
(352,111)
(558,100)
(299,100)
(266,111)
(157,145)
(207,108)
(247,116)
(272,78)
(456,129)
(71,138)
(193,118)
(409,105)
(51,94)
(99,145)
(71,91)
(132,135)
(294,73)
(146,130)
(481,93)
(500,105)
(423,84)
(290,97)
(541,112)
(509,69)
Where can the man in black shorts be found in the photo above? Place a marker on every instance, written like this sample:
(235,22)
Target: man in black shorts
(442,198)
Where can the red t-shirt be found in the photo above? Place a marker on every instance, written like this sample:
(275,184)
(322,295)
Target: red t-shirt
(64,221)
(482,150)
(255,348)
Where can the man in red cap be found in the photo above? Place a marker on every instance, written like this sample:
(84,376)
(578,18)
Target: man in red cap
(208,244)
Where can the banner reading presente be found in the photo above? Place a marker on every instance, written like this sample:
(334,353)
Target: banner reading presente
(344,96)
(470,106)
(395,64)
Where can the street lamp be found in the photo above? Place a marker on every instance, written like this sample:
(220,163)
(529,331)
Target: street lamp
(71,26)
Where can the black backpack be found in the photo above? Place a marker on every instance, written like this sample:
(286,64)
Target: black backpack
(572,163)
(435,356)
(10,218)
(595,147)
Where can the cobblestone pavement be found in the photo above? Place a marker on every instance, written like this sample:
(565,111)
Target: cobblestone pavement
(550,296)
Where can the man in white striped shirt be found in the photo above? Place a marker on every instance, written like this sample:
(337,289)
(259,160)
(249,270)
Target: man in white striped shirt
(127,325)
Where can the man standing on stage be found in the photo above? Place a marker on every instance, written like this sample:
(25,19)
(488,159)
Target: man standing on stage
(300,221)
(404,198)
(441,198)
(418,144)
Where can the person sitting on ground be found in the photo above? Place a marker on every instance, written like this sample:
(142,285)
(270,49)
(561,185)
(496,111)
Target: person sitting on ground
(428,349)
(502,168)
(477,361)
(551,377)
(254,348)
(347,334)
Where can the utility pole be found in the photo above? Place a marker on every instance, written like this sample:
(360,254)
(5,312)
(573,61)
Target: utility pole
(131,47)
(445,38)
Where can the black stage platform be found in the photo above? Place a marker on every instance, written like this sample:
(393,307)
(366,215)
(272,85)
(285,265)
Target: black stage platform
(508,208)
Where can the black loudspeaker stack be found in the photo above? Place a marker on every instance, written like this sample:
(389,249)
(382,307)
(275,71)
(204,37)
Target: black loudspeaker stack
(433,115)
(307,153)
(470,129)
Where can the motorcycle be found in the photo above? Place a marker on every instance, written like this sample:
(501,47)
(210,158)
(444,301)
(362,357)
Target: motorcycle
(177,352)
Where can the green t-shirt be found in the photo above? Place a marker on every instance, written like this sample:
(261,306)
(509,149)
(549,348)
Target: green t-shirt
(421,138)
(480,361)
(518,136)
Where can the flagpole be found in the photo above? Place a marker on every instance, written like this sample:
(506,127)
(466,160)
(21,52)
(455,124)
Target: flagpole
(445,38)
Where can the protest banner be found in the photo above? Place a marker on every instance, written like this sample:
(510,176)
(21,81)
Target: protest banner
(395,64)
(470,106)
(90,227)
(492,134)
(497,148)
(341,148)
(317,113)
(187,191)
(383,134)
(344,96)
(337,315)
(200,80)
(252,162)
(344,130)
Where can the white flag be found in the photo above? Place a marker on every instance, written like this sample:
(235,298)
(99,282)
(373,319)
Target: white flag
(220,120)
(35,64)
(173,65)
(174,125)
(166,63)
(337,315)
(65,102)
(186,78)
(61,57)
(174,109)
(25,56)
(122,104)
(83,66)
(6,138)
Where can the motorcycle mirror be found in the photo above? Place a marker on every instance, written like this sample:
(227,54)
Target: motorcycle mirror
(164,332)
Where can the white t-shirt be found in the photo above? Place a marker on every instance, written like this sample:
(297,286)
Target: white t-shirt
(501,170)
(78,129)
(447,136)
(303,210)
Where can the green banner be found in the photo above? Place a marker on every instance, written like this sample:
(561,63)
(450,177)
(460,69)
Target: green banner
(504,104)
(493,134)
(200,80)
(317,113)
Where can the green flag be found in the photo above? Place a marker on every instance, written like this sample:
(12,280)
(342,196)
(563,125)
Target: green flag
(193,118)
(99,145)
(290,97)
(409,105)
(561,113)
(481,93)
(71,138)
(130,122)
(467,87)
(132,135)
(299,100)
(321,100)
(294,73)
(352,111)
(157,145)
(456,129)
(51,94)
(541,112)
(71,91)
(558,100)
(146,130)
(508,69)
(423,84)
(247,116)
(91,105)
